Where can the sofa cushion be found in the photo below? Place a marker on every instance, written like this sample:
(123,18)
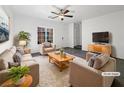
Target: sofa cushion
(91,60)
(80,61)
(27,57)
(28,63)
(2,65)
(100,61)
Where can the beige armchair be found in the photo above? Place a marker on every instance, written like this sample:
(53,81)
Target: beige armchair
(82,75)
(47,47)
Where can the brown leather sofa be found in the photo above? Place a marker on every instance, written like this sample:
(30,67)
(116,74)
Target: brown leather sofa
(7,56)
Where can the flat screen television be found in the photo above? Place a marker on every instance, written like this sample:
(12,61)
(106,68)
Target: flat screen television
(100,37)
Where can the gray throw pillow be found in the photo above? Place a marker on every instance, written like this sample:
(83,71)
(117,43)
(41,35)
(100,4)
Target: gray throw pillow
(100,61)
(17,57)
(91,60)
(13,64)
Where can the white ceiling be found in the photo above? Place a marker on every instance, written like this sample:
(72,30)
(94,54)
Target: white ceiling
(80,12)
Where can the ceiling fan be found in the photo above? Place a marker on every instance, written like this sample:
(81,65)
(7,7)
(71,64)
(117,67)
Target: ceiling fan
(62,13)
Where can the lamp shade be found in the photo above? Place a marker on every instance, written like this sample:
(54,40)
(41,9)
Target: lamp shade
(22,43)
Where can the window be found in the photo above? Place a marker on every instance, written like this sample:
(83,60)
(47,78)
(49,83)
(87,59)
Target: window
(41,35)
(45,35)
(49,35)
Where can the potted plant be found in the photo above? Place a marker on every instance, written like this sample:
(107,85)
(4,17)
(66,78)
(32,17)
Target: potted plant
(61,52)
(24,36)
(18,76)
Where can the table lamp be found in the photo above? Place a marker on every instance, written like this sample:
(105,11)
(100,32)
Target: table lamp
(22,43)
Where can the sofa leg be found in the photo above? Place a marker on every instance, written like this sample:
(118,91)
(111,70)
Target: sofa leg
(70,86)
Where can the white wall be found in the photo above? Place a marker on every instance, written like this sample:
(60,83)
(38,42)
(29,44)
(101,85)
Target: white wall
(71,35)
(29,24)
(114,23)
(77,34)
(7,44)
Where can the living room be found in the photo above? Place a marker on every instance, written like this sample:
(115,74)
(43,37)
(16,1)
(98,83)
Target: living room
(84,20)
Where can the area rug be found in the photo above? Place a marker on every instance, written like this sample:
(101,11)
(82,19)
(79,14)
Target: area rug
(50,76)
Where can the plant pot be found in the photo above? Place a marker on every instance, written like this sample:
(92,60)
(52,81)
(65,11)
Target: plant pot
(25,81)
(21,81)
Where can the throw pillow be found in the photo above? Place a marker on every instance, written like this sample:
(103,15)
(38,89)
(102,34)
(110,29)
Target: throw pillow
(100,61)
(20,50)
(2,65)
(91,60)
(47,44)
(13,64)
(13,50)
(17,57)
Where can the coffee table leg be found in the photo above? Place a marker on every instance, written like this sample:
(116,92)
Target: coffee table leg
(61,67)
(49,59)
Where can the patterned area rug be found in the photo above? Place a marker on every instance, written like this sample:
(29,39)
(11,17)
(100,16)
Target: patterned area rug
(50,76)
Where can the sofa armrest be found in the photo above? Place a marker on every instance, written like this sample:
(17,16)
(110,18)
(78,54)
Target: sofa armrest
(3,76)
(34,71)
(53,45)
(42,48)
(83,75)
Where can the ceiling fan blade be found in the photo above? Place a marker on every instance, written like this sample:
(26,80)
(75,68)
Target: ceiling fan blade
(55,13)
(65,8)
(68,15)
(66,11)
(52,17)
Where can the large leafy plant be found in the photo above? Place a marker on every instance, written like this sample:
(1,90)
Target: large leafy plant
(16,73)
(24,36)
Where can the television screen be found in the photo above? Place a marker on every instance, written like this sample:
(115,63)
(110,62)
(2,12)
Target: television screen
(100,37)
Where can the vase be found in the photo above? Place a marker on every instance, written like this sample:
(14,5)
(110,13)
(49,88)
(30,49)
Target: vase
(61,52)
(20,81)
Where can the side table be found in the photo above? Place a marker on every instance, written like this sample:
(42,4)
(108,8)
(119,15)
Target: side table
(27,50)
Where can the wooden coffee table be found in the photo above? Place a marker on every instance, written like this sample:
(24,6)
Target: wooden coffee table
(61,62)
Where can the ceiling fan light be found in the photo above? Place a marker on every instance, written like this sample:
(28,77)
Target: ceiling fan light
(62,19)
(61,16)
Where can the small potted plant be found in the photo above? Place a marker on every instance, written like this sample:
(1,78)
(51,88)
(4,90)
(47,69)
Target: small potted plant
(24,36)
(17,77)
